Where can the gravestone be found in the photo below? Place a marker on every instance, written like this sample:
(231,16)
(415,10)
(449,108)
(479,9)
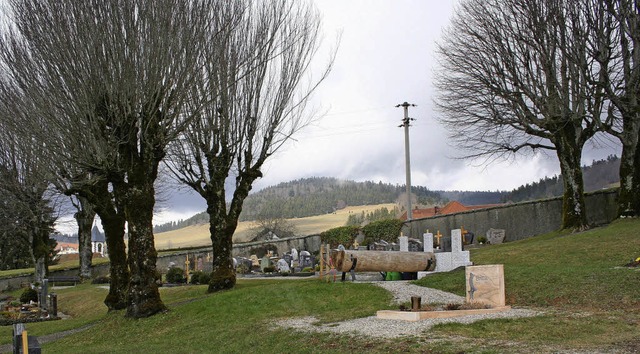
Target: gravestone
(495,236)
(415,245)
(43,295)
(264,263)
(445,244)
(283,266)
(485,284)
(428,242)
(404,243)
(456,240)
(306,261)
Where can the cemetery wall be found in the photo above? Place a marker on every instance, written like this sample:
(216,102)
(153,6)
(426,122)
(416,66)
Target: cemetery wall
(520,220)
(17,282)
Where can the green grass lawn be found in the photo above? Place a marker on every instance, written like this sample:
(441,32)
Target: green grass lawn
(588,302)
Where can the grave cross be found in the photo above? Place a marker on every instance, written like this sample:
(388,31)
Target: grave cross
(438,236)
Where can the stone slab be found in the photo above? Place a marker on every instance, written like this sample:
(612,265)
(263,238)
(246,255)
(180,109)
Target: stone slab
(495,236)
(422,315)
(485,284)
(404,243)
(428,242)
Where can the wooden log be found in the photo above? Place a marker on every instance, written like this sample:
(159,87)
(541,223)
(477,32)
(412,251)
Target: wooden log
(384,261)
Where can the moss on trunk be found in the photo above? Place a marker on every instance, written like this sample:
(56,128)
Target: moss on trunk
(574,215)
(84,217)
(113,226)
(143,298)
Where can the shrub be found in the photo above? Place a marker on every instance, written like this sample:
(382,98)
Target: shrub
(29,295)
(269,269)
(307,270)
(204,278)
(387,230)
(343,235)
(200,277)
(242,269)
(100,280)
(175,275)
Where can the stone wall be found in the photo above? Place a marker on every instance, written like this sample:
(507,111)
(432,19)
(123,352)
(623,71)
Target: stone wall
(309,243)
(19,281)
(520,220)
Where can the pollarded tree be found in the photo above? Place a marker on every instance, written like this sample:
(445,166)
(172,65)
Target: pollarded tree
(109,81)
(615,37)
(256,98)
(27,212)
(517,76)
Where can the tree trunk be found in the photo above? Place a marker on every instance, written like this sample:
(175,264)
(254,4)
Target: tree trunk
(574,215)
(143,296)
(629,195)
(113,226)
(84,217)
(223,276)
(384,261)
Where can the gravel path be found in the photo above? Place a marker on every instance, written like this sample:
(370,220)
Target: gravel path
(402,291)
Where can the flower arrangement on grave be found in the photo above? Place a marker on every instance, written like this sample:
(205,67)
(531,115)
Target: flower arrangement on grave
(634,263)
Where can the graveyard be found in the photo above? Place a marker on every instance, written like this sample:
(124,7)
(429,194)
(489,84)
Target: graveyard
(579,283)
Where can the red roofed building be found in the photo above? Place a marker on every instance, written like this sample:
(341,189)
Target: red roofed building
(451,208)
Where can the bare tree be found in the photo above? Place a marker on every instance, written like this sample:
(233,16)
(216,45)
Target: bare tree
(256,100)
(516,77)
(615,27)
(109,81)
(23,186)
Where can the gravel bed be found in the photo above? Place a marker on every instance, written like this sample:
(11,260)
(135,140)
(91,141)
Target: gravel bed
(384,328)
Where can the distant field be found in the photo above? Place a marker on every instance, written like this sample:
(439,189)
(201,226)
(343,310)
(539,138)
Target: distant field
(198,235)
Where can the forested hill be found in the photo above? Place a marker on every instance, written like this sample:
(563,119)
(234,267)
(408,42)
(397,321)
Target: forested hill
(601,174)
(318,195)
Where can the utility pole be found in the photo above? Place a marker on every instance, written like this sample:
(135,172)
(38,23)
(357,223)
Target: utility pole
(405,123)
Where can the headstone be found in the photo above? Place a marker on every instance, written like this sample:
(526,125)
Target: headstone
(428,242)
(283,266)
(43,295)
(445,244)
(415,245)
(404,243)
(485,284)
(294,254)
(456,240)
(287,257)
(495,236)
(306,261)
(264,263)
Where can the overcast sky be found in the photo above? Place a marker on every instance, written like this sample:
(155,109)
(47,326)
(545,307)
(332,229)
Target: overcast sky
(386,56)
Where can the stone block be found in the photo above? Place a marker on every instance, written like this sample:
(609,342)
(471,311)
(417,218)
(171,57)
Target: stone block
(428,242)
(404,243)
(495,236)
(456,240)
(485,284)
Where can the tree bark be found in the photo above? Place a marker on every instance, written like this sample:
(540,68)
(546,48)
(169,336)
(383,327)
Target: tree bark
(574,215)
(223,275)
(143,296)
(113,225)
(84,217)
(384,261)
(629,195)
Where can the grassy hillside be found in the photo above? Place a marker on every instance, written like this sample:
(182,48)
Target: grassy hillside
(198,235)
(588,303)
